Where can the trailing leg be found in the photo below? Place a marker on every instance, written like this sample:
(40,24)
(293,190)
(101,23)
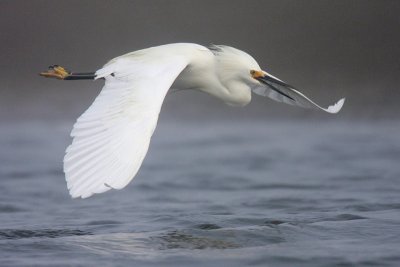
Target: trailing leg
(61,73)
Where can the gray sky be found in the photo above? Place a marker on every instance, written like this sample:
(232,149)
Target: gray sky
(328,49)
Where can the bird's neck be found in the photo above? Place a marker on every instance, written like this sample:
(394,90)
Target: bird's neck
(233,93)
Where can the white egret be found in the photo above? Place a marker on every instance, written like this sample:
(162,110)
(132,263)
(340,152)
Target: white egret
(111,138)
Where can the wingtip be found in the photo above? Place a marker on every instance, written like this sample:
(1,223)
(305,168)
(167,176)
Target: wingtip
(336,107)
(74,195)
(79,194)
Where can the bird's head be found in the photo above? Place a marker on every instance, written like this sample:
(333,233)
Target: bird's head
(239,68)
(239,72)
(235,65)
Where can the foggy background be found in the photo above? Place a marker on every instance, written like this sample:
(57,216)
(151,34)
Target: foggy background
(327,49)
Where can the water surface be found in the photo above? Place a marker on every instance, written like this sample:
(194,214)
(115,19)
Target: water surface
(307,193)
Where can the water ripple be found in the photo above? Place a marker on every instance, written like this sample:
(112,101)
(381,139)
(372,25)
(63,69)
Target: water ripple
(177,239)
(49,233)
(9,208)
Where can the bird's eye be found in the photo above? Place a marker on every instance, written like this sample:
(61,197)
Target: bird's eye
(252,72)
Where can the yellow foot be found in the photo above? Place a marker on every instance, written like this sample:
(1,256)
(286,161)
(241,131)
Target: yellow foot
(56,71)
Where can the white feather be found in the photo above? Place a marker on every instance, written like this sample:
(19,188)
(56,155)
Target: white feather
(296,98)
(111,139)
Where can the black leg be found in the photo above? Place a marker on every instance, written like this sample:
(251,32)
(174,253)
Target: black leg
(80,76)
(61,73)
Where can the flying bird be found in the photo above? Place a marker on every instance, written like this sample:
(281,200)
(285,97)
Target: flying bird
(111,138)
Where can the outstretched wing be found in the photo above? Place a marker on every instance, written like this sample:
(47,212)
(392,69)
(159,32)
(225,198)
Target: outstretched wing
(111,138)
(279,91)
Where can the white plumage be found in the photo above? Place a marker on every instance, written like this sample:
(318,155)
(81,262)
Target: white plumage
(111,138)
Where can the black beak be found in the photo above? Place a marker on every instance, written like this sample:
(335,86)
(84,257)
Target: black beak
(276,85)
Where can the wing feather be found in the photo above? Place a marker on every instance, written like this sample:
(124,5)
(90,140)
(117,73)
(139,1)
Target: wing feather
(111,138)
(279,91)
